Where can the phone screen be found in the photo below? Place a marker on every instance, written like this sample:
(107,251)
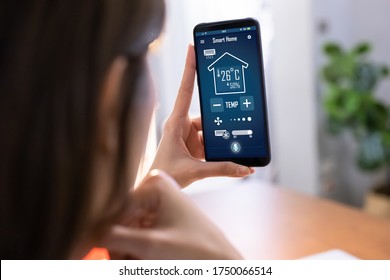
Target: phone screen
(232,92)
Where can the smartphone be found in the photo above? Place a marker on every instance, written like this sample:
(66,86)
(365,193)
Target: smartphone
(232,96)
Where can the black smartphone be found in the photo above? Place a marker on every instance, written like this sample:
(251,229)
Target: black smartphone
(232,94)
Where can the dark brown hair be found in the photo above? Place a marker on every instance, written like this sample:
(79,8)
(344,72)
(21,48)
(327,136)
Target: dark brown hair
(54,56)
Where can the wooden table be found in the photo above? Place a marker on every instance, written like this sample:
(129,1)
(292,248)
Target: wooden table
(269,222)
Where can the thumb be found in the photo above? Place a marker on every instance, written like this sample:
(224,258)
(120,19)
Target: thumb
(228,169)
(183,100)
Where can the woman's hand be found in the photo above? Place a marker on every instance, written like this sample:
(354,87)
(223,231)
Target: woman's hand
(181,149)
(163,223)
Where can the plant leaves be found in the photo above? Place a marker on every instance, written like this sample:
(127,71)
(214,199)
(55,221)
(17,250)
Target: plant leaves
(385,71)
(332,49)
(362,48)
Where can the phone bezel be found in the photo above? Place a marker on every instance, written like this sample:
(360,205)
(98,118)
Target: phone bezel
(221,25)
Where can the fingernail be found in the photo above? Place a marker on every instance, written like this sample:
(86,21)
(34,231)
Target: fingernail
(243,171)
(252,170)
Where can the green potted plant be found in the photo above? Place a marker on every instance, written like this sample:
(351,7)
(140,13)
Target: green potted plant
(351,79)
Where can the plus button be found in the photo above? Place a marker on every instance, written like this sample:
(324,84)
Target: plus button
(247,103)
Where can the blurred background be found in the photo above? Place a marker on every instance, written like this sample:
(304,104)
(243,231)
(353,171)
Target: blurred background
(327,88)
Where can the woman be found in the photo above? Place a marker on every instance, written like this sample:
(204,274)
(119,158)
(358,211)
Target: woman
(75,107)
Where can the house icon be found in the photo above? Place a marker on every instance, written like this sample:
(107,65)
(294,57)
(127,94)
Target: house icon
(229,76)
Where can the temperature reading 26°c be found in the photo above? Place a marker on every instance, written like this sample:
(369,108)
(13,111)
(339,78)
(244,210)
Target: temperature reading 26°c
(227,75)
(232,270)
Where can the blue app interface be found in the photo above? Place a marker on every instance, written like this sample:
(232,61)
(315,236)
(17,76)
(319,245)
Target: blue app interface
(232,93)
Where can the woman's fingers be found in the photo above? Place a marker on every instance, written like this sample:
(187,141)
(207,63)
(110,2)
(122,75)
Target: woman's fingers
(197,123)
(130,241)
(228,169)
(178,230)
(183,100)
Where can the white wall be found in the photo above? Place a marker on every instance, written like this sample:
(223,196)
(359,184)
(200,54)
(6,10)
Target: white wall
(352,21)
(370,20)
(294,96)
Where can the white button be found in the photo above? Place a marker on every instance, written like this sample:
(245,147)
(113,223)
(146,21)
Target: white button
(235,147)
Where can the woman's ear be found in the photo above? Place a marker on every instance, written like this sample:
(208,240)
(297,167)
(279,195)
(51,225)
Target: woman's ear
(108,106)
